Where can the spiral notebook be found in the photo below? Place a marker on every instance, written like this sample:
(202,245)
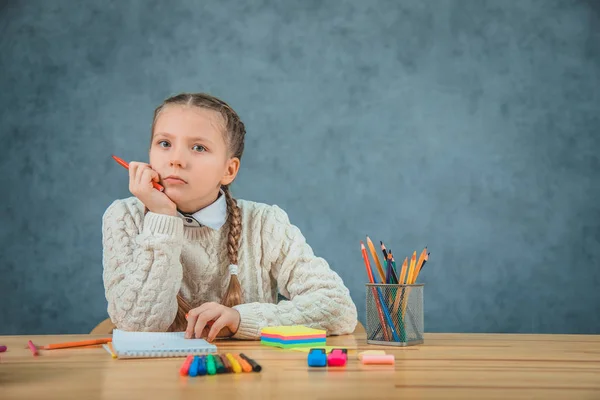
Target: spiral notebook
(157,344)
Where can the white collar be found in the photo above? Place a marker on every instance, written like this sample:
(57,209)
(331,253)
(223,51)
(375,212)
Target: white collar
(213,216)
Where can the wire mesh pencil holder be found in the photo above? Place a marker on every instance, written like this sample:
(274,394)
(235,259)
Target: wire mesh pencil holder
(394,314)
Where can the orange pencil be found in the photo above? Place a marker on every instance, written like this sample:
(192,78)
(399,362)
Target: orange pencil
(400,294)
(403,271)
(124,164)
(377,263)
(411,270)
(81,343)
(422,258)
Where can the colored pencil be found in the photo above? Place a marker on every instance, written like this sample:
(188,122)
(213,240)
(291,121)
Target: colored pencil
(382,301)
(411,269)
(81,343)
(377,263)
(422,258)
(372,280)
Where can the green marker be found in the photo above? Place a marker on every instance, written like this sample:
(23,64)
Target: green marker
(210,365)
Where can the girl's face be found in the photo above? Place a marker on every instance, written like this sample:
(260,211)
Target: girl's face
(190,154)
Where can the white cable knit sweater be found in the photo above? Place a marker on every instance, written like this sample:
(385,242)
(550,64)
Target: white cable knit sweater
(149,259)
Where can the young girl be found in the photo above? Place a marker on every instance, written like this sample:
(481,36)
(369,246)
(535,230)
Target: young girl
(193,249)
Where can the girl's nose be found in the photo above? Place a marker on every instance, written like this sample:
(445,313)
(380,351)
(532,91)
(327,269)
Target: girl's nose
(177,162)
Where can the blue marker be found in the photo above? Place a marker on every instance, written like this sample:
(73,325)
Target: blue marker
(202,366)
(194,366)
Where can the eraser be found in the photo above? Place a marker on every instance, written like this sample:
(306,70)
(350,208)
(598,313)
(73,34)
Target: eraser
(317,358)
(374,359)
(337,358)
(371,352)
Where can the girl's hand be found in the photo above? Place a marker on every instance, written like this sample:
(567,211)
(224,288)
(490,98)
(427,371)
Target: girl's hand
(225,321)
(141,176)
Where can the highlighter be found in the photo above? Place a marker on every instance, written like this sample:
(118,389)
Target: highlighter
(370,353)
(211,369)
(237,368)
(373,359)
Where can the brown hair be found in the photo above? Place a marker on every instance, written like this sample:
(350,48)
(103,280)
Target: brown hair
(234,134)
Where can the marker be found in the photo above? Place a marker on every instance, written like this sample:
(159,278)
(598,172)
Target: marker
(374,359)
(194,367)
(202,366)
(211,369)
(246,367)
(183,371)
(156,185)
(32,347)
(2,349)
(254,364)
(237,368)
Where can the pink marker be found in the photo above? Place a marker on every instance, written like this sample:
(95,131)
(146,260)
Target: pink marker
(374,359)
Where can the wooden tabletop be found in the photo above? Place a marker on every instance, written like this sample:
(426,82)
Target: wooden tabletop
(446,366)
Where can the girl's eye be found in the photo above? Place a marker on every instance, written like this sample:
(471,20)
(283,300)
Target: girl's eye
(199,148)
(164,143)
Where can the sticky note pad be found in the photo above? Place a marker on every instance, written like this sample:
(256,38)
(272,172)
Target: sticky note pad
(292,336)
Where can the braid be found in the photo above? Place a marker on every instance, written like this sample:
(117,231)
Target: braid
(233,295)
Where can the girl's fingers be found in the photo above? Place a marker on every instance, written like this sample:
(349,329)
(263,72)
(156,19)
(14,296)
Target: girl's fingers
(203,319)
(219,324)
(146,177)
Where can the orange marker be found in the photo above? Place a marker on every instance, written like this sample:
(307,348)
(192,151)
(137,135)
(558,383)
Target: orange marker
(243,363)
(156,185)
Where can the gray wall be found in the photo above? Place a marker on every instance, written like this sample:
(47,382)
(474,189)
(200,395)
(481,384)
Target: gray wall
(467,126)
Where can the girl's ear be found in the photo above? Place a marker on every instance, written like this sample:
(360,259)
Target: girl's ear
(231,170)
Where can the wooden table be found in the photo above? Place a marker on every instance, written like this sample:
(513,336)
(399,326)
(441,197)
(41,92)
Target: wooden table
(446,366)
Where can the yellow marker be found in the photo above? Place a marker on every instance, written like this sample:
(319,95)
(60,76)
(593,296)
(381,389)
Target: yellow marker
(374,255)
(237,368)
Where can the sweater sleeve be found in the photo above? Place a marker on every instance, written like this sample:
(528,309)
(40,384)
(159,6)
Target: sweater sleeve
(317,296)
(142,272)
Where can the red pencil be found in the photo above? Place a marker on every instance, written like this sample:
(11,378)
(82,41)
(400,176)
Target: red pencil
(370,273)
(156,185)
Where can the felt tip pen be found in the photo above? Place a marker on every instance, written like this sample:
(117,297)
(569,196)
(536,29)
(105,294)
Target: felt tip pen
(124,164)
(255,366)
(211,368)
